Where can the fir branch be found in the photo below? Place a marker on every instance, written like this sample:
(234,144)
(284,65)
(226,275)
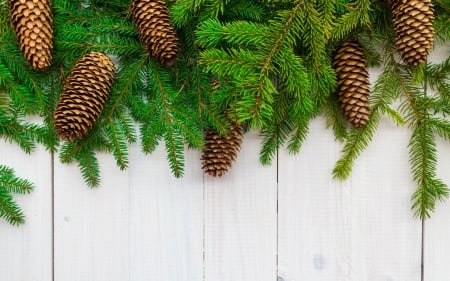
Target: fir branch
(440,126)
(89,167)
(423,158)
(244,10)
(334,118)
(23,134)
(10,183)
(273,136)
(385,91)
(357,15)
(118,143)
(240,33)
(9,210)
(301,130)
(357,140)
(185,10)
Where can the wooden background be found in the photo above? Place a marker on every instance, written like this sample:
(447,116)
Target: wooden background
(287,222)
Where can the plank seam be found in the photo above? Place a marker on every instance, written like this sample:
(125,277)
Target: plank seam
(204,229)
(52,175)
(277,220)
(422,254)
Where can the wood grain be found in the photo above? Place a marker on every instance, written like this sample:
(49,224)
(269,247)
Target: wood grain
(241,219)
(92,225)
(359,229)
(166,218)
(26,250)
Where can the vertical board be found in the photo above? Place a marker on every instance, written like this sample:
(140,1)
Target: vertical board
(359,229)
(241,219)
(437,228)
(166,216)
(92,225)
(26,250)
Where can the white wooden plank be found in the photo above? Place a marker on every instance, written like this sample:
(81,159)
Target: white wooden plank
(240,219)
(359,229)
(437,229)
(26,250)
(91,225)
(166,218)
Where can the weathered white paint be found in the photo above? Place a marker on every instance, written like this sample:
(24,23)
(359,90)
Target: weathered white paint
(437,228)
(166,219)
(92,225)
(241,219)
(26,250)
(288,222)
(359,229)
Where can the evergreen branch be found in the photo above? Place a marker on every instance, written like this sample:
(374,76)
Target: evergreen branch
(89,167)
(273,136)
(185,10)
(240,33)
(385,91)
(394,115)
(12,60)
(441,127)
(118,142)
(240,63)
(175,151)
(334,118)
(10,183)
(245,10)
(356,141)
(172,136)
(358,15)
(9,210)
(423,160)
(22,134)
(151,133)
(301,128)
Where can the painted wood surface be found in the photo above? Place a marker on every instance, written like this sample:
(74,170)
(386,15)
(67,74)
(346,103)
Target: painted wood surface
(241,219)
(437,229)
(26,250)
(359,229)
(287,222)
(166,219)
(92,225)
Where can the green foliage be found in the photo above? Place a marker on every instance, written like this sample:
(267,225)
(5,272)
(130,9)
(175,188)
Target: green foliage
(9,184)
(273,62)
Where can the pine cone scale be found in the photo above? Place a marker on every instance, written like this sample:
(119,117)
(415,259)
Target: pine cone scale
(151,17)
(352,75)
(220,151)
(32,23)
(85,93)
(413,27)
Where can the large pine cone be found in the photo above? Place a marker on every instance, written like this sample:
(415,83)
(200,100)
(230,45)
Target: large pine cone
(353,82)
(220,151)
(151,18)
(413,27)
(85,93)
(32,22)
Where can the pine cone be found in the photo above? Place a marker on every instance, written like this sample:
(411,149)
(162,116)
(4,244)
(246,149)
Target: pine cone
(220,151)
(32,22)
(85,93)
(353,82)
(413,27)
(151,18)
